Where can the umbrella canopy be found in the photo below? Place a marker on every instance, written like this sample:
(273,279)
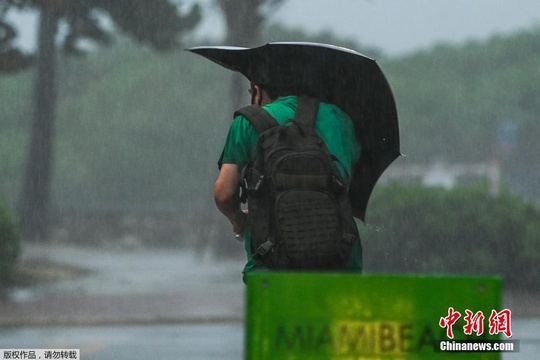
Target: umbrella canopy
(335,75)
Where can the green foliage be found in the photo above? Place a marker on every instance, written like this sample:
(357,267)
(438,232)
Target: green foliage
(137,131)
(452,99)
(11,58)
(156,23)
(14,91)
(10,245)
(416,229)
(142,138)
(140,131)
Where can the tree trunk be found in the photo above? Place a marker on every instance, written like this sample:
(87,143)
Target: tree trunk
(243,21)
(34,200)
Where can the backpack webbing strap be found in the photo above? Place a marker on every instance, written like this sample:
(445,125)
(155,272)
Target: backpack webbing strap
(306,112)
(258,117)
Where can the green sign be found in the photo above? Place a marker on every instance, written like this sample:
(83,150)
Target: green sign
(351,316)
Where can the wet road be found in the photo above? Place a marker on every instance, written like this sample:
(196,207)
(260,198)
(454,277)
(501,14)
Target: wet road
(128,287)
(197,342)
(185,341)
(134,304)
(149,305)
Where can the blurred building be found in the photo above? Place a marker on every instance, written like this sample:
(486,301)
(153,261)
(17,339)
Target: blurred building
(446,175)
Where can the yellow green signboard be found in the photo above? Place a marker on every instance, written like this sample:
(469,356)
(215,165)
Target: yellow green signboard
(351,316)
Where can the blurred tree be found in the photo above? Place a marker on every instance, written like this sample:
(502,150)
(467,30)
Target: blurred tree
(463,230)
(11,58)
(157,23)
(244,20)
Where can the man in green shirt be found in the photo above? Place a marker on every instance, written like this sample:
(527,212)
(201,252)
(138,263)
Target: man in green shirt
(332,124)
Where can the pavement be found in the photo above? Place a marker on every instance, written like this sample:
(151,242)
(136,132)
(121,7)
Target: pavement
(91,286)
(191,306)
(87,286)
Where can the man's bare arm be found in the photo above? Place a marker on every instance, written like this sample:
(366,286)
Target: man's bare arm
(226,196)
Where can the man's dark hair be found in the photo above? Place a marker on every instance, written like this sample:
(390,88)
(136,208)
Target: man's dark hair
(275,92)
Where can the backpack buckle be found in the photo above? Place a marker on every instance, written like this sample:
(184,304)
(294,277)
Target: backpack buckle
(265,248)
(259,183)
(248,177)
(337,185)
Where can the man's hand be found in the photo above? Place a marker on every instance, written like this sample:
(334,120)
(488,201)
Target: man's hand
(239,222)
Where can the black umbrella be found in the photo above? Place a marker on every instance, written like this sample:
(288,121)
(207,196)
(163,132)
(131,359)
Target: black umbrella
(335,75)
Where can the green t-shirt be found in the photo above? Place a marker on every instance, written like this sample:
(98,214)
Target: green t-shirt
(333,125)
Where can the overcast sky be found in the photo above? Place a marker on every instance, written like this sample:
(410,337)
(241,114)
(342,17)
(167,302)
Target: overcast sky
(395,26)
(402,26)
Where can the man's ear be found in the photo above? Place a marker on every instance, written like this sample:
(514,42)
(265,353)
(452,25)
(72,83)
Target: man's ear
(257,95)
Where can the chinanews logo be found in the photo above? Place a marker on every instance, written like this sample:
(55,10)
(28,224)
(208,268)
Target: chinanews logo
(499,322)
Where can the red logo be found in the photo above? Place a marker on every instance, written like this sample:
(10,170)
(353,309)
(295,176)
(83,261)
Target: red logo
(499,322)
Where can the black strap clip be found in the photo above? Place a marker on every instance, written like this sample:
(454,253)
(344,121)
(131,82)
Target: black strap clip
(265,247)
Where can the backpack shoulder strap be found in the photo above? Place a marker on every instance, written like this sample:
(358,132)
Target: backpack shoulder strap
(258,117)
(306,112)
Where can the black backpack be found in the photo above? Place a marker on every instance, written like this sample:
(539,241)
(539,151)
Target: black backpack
(299,211)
